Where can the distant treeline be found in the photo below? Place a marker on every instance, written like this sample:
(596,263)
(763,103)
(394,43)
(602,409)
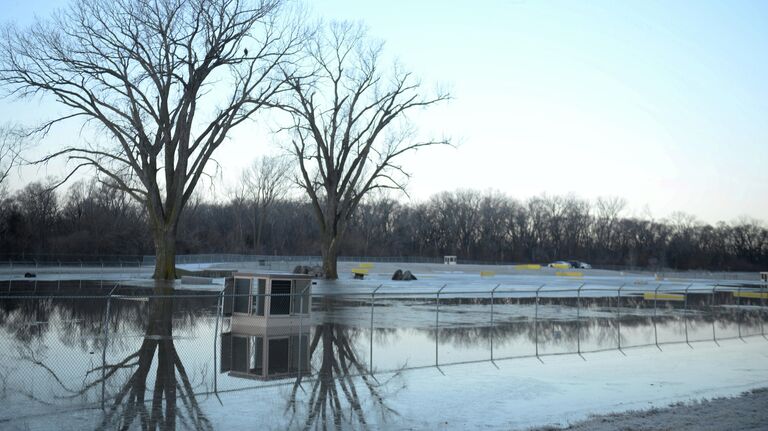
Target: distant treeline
(92,219)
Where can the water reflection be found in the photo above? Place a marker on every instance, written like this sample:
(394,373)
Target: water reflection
(139,361)
(331,386)
(342,393)
(127,364)
(265,353)
(172,396)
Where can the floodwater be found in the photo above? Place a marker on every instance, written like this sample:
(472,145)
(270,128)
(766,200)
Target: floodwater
(155,358)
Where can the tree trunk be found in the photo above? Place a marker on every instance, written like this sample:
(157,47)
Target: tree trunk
(255,231)
(259,229)
(165,253)
(330,253)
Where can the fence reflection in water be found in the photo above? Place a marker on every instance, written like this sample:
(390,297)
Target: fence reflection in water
(67,340)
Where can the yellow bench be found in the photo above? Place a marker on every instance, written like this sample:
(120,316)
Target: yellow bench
(560,266)
(753,295)
(527,266)
(569,274)
(650,296)
(487,273)
(359,273)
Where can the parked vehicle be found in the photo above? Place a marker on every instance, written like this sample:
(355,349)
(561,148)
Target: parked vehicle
(562,264)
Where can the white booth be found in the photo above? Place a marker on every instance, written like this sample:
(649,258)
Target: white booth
(260,300)
(267,335)
(449,260)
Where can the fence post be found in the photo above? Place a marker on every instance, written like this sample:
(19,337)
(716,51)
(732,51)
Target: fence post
(655,330)
(578,321)
(493,291)
(219,310)
(763,294)
(685,314)
(104,346)
(437,326)
(714,334)
(739,311)
(618,318)
(536,323)
(370,357)
(301,326)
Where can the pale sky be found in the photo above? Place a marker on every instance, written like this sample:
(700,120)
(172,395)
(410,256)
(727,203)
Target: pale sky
(664,103)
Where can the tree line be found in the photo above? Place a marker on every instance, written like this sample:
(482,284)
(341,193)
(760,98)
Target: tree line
(91,218)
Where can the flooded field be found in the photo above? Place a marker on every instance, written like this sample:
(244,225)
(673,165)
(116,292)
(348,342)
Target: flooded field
(163,358)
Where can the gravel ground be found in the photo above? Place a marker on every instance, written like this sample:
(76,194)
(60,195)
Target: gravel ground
(747,412)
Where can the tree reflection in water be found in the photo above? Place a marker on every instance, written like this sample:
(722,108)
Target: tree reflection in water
(149,388)
(129,405)
(342,391)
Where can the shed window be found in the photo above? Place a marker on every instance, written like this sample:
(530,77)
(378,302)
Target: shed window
(281,297)
(242,295)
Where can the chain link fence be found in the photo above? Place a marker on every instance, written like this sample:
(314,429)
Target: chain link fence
(113,347)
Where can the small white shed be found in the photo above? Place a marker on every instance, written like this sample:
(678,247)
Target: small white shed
(260,300)
(449,260)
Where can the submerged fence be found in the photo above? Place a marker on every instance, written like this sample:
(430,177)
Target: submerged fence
(542,320)
(112,346)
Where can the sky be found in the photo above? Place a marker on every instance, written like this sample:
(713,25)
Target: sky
(662,103)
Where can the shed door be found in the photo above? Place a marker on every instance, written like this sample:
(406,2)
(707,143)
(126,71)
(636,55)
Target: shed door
(229,299)
(226,352)
(242,295)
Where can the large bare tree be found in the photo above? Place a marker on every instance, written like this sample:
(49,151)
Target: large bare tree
(163,82)
(348,133)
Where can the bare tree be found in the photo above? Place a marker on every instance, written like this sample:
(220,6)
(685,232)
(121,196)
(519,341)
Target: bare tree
(163,81)
(346,138)
(606,223)
(11,140)
(238,201)
(265,180)
(39,206)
